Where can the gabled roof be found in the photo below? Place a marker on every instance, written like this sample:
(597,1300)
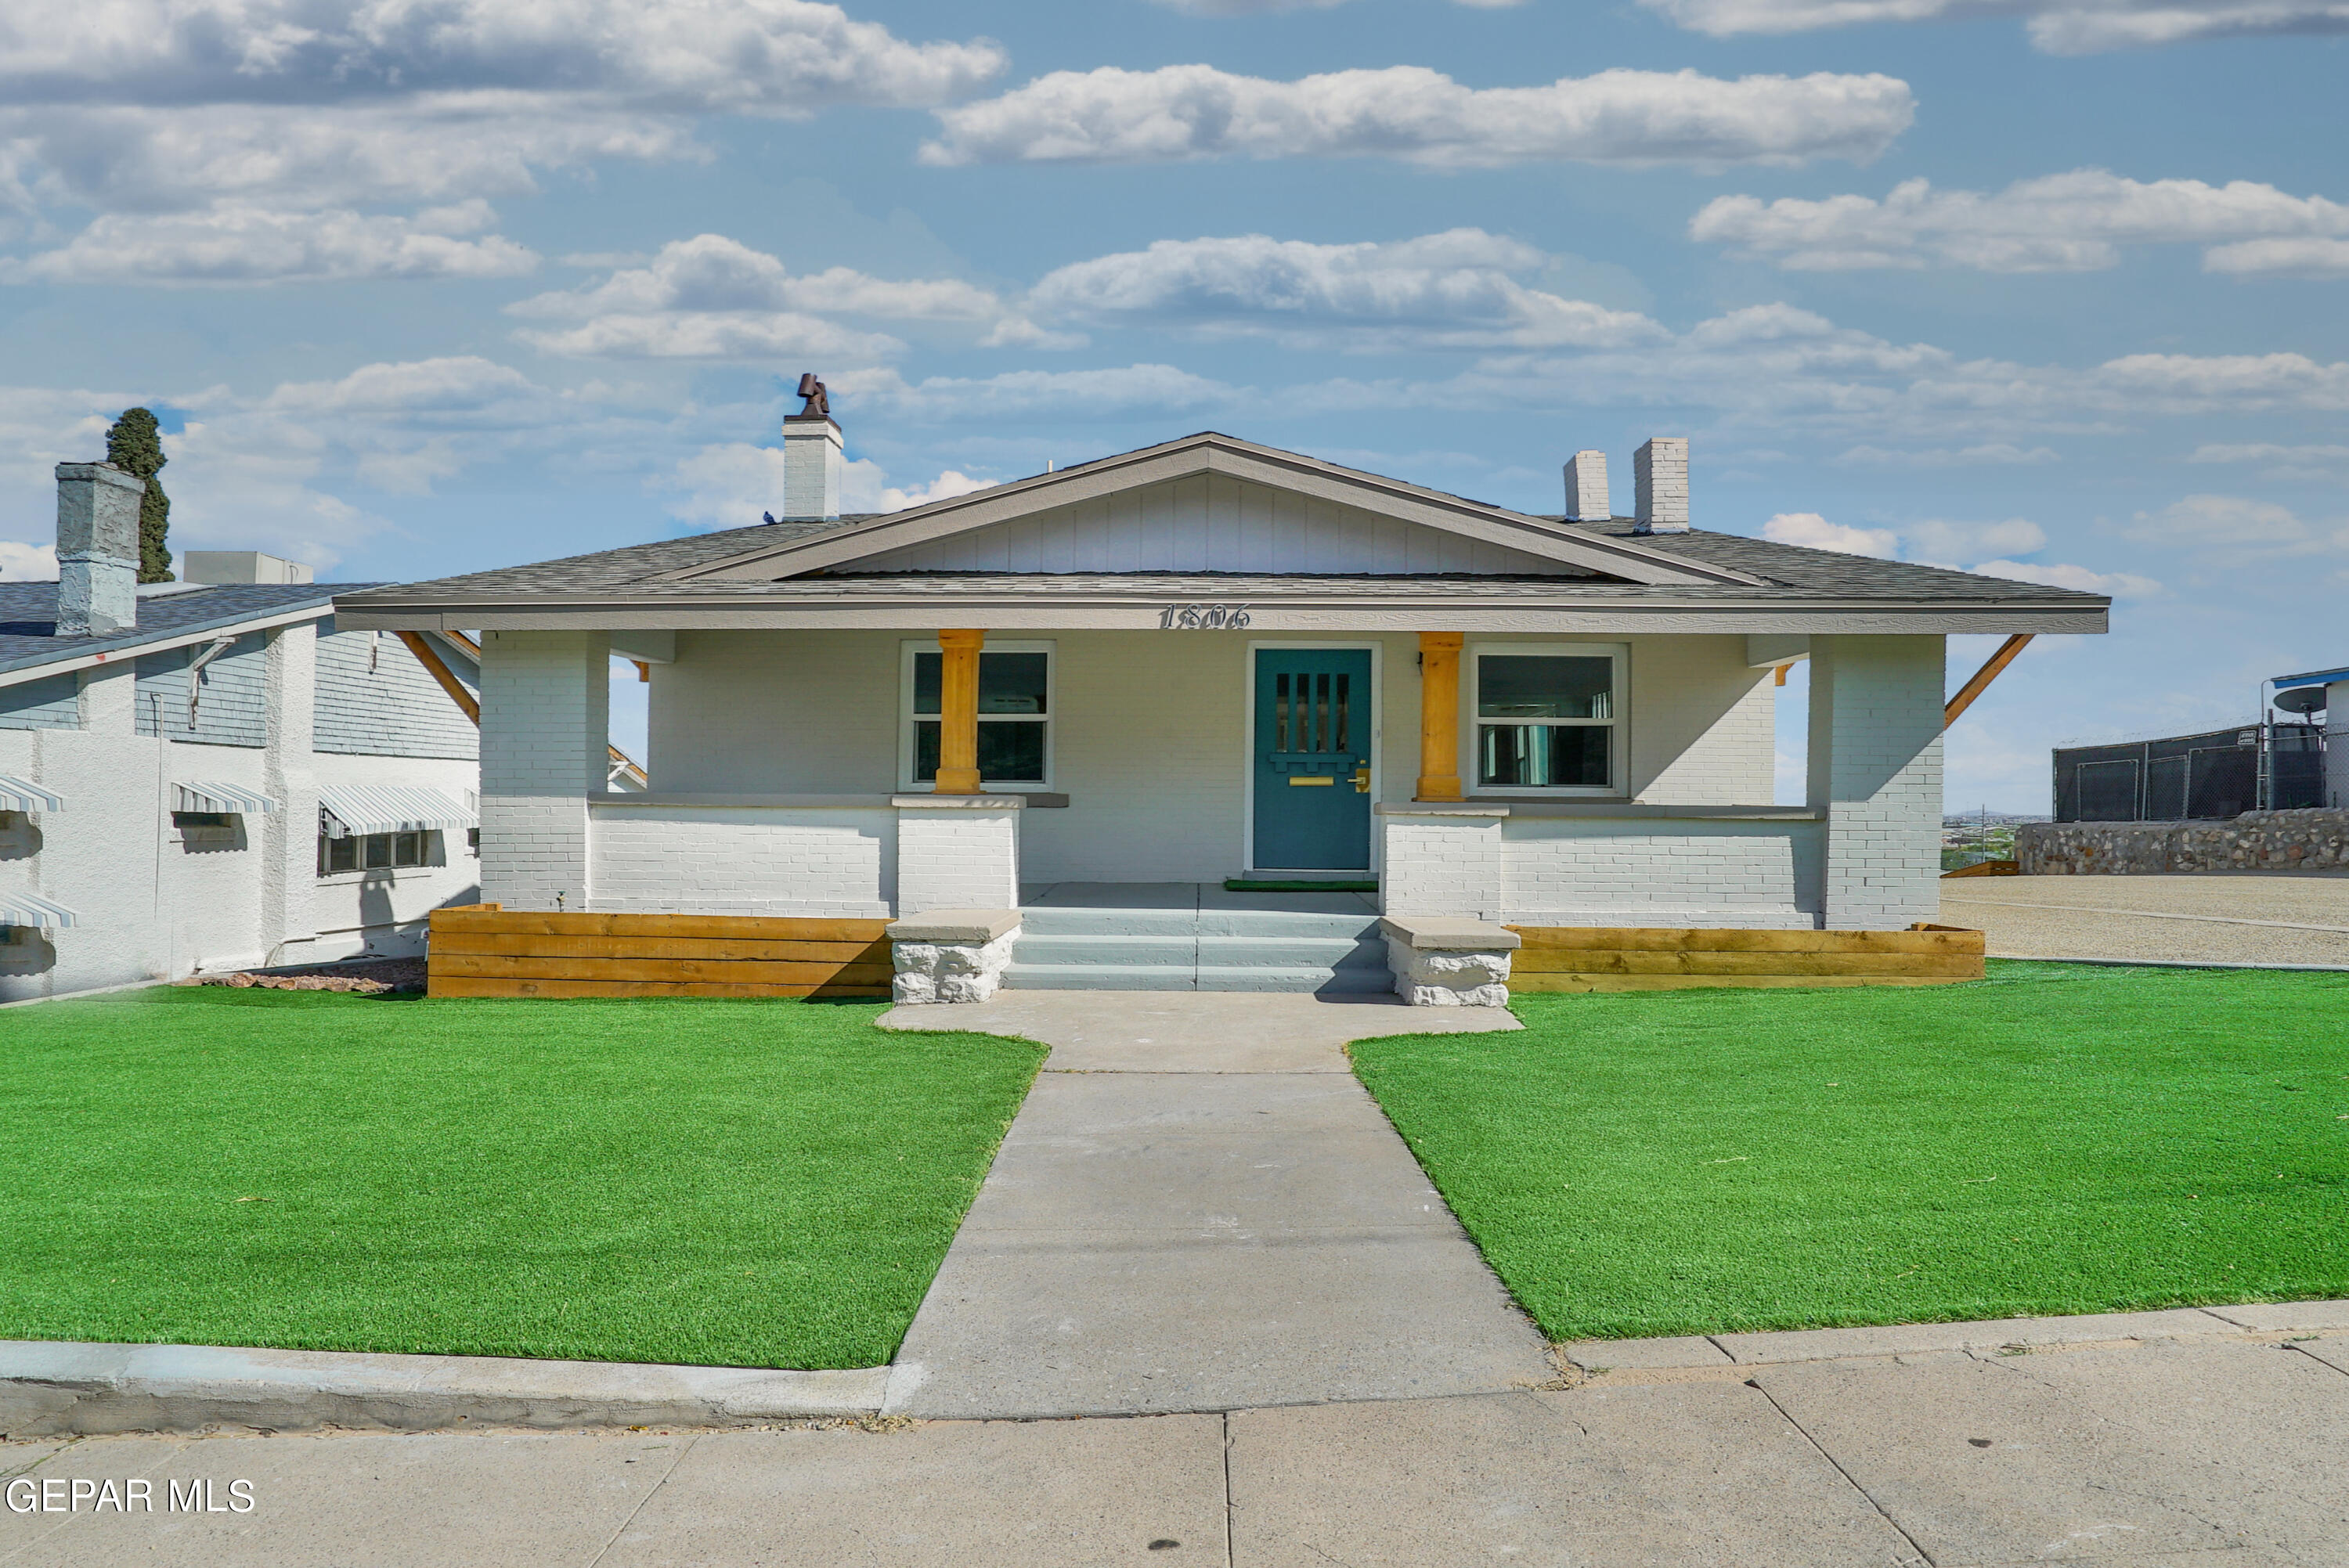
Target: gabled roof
(28,614)
(838,549)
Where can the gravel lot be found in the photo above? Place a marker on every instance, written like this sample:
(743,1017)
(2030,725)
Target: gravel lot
(2144,917)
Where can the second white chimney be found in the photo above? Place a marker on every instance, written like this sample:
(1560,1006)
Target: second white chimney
(1586,489)
(1660,475)
(812,461)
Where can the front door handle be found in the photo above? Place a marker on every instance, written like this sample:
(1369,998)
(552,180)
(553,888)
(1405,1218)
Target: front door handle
(1362,780)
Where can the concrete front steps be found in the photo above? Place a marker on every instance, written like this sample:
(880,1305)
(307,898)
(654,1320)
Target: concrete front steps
(1064,949)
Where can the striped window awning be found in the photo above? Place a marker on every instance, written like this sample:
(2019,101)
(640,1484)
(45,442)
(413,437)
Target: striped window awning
(32,909)
(197,794)
(357,812)
(18,795)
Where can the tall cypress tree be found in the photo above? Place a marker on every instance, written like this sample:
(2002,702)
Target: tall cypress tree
(135,445)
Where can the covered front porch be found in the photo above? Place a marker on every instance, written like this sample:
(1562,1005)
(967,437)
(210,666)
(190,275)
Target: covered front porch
(873,774)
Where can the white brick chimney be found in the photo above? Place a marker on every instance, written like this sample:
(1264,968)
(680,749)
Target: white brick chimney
(98,549)
(1660,474)
(812,461)
(1586,489)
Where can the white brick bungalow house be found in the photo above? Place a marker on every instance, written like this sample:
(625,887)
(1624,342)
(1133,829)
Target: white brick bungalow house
(1114,688)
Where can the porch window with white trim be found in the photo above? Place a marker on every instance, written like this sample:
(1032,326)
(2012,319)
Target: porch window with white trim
(1015,715)
(1547,718)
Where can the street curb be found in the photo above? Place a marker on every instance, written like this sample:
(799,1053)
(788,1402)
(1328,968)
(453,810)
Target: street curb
(49,1390)
(1716,1352)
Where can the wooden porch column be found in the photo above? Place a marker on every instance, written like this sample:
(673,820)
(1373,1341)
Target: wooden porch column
(958,712)
(1439,715)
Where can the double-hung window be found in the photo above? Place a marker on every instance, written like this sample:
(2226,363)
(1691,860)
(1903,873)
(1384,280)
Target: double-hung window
(1015,716)
(1548,717)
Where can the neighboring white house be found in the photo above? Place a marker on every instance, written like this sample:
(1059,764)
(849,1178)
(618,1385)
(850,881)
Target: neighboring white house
(213,774)
(1212,659)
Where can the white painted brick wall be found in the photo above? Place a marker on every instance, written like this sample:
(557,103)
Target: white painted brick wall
(957,857)
(1441,864)
(1759,875)
(1703,725)
(1875,769)
(545,727)
(710,860)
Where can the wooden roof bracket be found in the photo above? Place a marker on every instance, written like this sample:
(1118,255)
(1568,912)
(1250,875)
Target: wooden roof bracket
(2006,653)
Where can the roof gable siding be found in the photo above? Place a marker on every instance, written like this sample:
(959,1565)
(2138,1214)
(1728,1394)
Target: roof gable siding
(1213,522)
(375,699)
(231,700)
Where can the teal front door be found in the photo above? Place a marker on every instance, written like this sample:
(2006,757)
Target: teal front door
(1312,748)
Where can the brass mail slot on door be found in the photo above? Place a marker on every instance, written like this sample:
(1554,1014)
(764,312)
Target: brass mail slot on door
(1312,779)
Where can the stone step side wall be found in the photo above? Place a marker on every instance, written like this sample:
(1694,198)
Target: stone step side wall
(2312,840)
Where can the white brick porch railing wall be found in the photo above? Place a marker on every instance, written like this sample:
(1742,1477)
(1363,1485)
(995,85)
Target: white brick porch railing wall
(1876,772)
(957,852)
(792,861)
(1746,876)
(544,728)
(1442,861)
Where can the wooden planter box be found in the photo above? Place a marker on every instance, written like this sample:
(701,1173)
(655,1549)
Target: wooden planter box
(1665,958)
(483,950)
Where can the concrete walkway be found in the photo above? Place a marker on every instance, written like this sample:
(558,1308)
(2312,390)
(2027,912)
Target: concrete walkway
(1198,1208)
(2143,1440)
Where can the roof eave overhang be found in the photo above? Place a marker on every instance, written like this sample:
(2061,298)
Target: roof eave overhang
(1213,454)
(178,637)
(1661,612)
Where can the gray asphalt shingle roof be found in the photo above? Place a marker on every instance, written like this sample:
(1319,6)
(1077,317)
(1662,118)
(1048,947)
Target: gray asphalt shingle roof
(633,573)
(28,613)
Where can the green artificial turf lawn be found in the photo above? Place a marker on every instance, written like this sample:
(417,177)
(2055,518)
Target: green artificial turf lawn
(733,1183)
(2056,1139)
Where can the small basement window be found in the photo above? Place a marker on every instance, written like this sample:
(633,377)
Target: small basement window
(374,852)
(1547,718)
(1015,710)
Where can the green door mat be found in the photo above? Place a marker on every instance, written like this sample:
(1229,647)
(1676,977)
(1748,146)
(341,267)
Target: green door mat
(1242,885)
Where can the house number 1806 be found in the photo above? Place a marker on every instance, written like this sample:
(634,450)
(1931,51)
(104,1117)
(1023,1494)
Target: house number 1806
(1203,617)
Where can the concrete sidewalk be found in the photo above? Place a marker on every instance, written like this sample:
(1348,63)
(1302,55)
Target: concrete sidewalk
(2171,1439)
(1198,1208)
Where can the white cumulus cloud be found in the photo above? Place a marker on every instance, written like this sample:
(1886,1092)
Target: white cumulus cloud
(1125,392)
(2057,26)
(157,106)
(2075,221)
(1815,533)
(1940,542)
(232,243)
(2300,258)
(732,484)
(2114,585)
(756,56)
(21,562)
(1461,289)
(1938,538)
(711,297)
(1179,113)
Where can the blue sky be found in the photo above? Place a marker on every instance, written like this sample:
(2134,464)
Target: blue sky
(2049,288)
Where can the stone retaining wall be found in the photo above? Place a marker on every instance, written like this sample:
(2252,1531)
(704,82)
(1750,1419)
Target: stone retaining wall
(2314,839)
